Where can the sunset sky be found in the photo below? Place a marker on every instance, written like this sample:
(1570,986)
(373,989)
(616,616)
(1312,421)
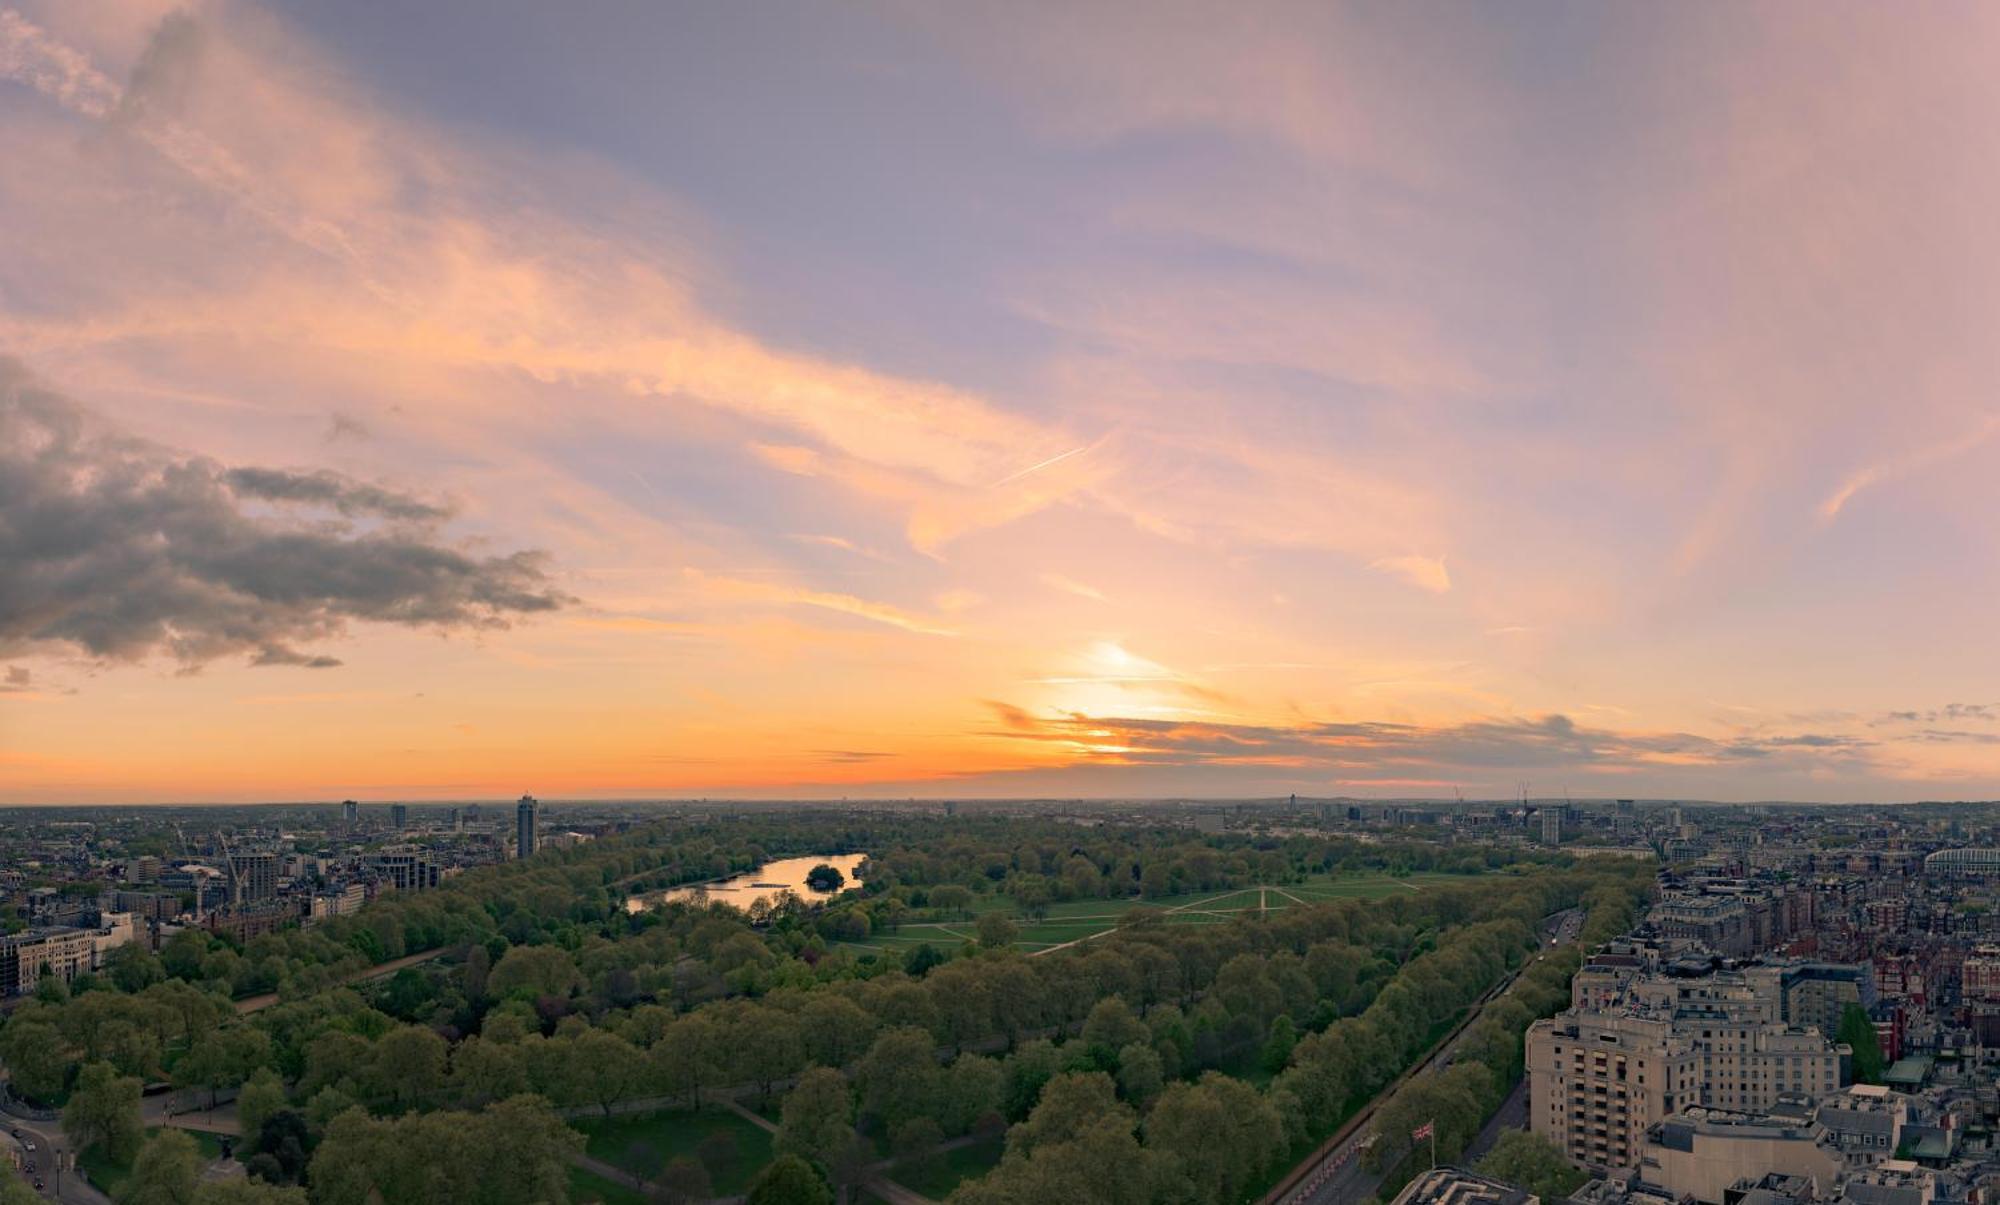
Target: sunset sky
(456,399)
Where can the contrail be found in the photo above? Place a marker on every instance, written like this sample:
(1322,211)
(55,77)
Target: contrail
(1036,468)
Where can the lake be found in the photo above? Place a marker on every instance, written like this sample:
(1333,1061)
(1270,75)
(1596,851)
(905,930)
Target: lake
(764,883)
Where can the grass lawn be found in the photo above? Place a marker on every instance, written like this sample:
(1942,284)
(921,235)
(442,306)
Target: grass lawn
(677,1132)
(110,1177)
(589,1188)
(953,1169)
(1075,919)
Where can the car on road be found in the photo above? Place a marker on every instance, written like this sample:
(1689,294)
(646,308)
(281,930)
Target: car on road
(28,1145)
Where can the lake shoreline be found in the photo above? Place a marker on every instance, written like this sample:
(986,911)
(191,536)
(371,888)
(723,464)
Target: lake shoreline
(766,882)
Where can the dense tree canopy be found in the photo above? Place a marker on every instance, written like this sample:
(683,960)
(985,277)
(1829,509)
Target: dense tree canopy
(1126,1066)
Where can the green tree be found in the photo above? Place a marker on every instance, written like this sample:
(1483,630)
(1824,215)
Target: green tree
(817,1121)
(1858,1032)
(899,1076)
(996,932)
(1140,1075)
(133,968)
(223,1059)
(1102,1163)
(1527,1159)
(50,987)
(34,1052)
(915,1147)
(1278,1045)
(483,1070)
(1111,1026)
(478,967)
(837,1031)
(768,1046)
(1068,1104)
(183,952)
(515,1152)
(952,899)
(1028,1070)
(263,1095)
(406,1068)
(165,1173)
(687,1057)
(974,1087)
(789,1180)
(535,971)
(103,1111)
(15,1191)
(603,1068)
(1219,1134)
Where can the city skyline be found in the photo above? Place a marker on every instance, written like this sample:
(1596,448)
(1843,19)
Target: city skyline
(875,402)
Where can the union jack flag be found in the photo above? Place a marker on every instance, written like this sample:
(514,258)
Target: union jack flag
(1423,1131)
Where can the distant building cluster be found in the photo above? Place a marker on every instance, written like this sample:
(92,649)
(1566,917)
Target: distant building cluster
(78,891)
(1710,1055)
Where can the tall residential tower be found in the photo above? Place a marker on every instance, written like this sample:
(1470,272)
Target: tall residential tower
(524,826)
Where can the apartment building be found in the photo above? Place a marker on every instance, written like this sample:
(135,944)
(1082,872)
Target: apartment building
(1598,1080)
(28,955)
(405,868)
(1600,1076)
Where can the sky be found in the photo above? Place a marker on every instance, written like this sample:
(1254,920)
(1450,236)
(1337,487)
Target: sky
(621,398)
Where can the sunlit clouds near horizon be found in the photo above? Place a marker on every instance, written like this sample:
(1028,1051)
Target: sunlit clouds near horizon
(1118,400)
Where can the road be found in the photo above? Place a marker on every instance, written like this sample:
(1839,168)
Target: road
(1333,1173)
(50,1146)
(1511,1115)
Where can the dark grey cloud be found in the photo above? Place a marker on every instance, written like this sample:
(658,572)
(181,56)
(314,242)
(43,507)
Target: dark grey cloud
(1953,736)
(346,426)
(19,678)
(324,488)
(1357,748)
(1949,713)
(851,756)
(123,549)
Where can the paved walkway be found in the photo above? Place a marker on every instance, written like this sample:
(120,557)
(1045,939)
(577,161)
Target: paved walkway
(250,1004)
(750,1115)
(159,1110)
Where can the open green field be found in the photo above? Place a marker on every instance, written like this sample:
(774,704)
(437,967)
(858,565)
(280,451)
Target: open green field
(673,1133)
(589,1188)
(952,1168)
(1076,920)
(110,1177)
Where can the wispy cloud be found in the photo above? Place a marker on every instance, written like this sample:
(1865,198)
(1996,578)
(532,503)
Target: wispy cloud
(1072,586)
(1424,572)
(1910,462)
(1546,742)
(845,604)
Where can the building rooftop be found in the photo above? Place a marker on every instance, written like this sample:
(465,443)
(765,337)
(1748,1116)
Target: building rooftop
(1454,1186)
